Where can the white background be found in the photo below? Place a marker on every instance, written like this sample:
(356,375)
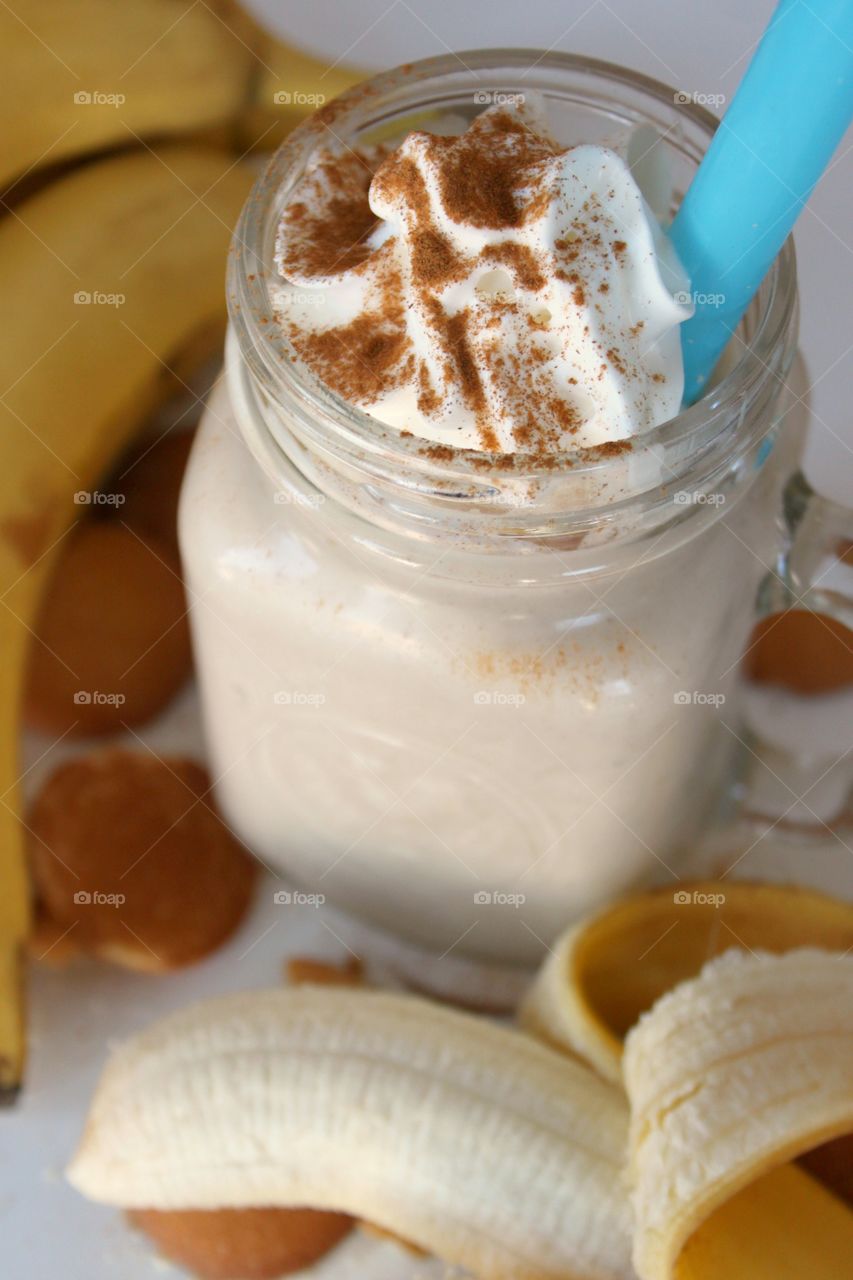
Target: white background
(699,46)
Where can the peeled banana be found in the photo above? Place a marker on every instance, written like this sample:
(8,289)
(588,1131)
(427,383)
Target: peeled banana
(80,75)
(106,276)
(493,1151)
(729,1076)
(608,970)
(471,1140)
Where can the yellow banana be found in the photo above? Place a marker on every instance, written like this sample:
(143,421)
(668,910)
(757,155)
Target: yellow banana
(287,86)
(80,75)
(86,75)
(105,276)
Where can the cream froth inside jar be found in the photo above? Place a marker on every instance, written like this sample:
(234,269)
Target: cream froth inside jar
(468,588)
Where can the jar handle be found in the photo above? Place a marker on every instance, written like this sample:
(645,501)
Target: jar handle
(815,569)
(799,765)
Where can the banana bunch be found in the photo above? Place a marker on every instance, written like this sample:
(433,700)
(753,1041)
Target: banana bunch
(495,1151)
(109,275)
(81,76)
(287,85)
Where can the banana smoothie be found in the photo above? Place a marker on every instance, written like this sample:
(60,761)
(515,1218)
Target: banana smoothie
(468,592)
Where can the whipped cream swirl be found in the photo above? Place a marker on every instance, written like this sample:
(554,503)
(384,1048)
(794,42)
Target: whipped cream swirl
(490,291)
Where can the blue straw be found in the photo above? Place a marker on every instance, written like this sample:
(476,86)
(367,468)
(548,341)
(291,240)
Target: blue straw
(788,116)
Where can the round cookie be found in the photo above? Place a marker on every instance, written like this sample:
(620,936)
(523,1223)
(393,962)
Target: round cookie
(249,1244)
(129,855)
(808,653)
(112,644)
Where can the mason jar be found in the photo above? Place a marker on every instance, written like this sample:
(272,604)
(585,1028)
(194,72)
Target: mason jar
(465,698)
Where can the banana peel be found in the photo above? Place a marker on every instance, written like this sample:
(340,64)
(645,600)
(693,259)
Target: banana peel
(606,971)
(784,1226)
(109,274)
(603,977)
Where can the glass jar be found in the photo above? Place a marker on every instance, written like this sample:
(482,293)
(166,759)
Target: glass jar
(464,699)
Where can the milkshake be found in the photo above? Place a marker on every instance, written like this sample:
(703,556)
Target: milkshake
(468,592)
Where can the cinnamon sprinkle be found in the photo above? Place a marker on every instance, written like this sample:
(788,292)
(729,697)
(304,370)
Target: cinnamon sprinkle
(326,231)
(479,171)
(521,260)
(428,397)
(360,359)
(433,259)
(353,359)
(484,178)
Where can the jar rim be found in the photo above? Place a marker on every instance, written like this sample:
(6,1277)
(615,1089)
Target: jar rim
(692,433)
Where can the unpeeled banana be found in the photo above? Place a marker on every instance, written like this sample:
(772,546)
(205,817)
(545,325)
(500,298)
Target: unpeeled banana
(79,75)
(86,75)
(106,275)
(288,85)
(103,274)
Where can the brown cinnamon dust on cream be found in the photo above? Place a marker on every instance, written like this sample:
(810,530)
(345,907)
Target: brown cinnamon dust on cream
(486,179)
